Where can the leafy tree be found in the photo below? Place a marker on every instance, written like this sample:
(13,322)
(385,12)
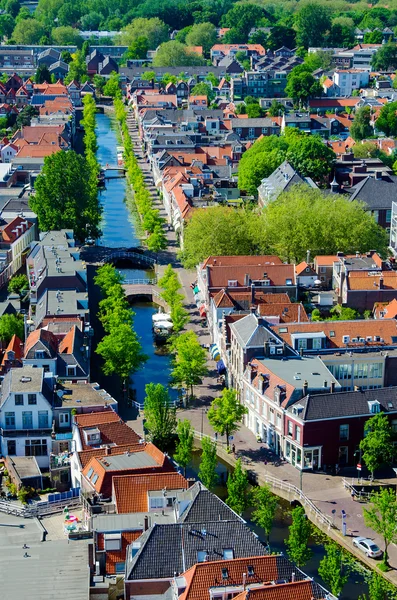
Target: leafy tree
(182,33)
(361,127)
(343,313)
(276,109)
(373,37)
(99,83)
(281,35)
(13,7)
(69,14)
(312,22)
(260,161)
(241,18)
(233,234)
(28,31)
(7,25)
(301,87)
(238,496)
(42,74)
(310,156)
(155,30)
(121,351)
(18,284)
(148,75)
(387,120)
(184,446)
(157,240)
(175,54)
(382,518)
(365,150)
(160,415)
(341,35)
(254,111)
(299,534)
(112,86)
(11,325)
(66,56)
(207,471)
(202,34)
(214,81)
(25,116)
(385,58)
(190,363)
(66,36)
(305,218)
(66,195)
(107,277)
(171,286)
(377,446)
(333,569)
(265,508)
(77,69)
(226,413)
(377,587)
(203,89)
(91,21)
(138,48)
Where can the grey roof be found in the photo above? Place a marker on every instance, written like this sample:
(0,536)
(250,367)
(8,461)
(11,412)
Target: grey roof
(376,193)
(281,180)
(155,561)
(250,332)
(133,72)
(345,404)
(59,64)
(265,122)
(204,505)
(130,521)
(122,462)
(26,466)
(55,54)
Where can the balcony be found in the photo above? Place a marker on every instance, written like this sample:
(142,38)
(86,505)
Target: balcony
(28,433)
(59,461)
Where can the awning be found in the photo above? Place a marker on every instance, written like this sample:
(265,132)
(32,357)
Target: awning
(203,312)
(195,290)
(214,351)
(220,367)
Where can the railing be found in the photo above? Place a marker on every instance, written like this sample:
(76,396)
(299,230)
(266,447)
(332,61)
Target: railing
(140,281)
(131,255)
(25,432)
(38,510)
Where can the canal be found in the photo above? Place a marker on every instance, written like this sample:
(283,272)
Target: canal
(120,230)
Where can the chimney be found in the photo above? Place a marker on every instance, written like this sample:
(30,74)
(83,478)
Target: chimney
(340,254)
(244,580)
(308,256)
(107,450)
(332,387)
(246,279)
(381,283)
(252,293)
(265,275)
(292,577)
(305,387)
(334,186)
(146,523)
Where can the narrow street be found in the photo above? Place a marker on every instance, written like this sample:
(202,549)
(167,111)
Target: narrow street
(325,491)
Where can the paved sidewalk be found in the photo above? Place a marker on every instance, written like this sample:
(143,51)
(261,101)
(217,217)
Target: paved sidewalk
(327,492)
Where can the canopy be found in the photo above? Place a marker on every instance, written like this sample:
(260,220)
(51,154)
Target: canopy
(220,367)
(214,351)
(195,290)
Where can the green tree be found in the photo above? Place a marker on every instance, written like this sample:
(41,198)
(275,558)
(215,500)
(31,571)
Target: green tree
(184,446)
(99,83)
(260,161)
(322,223)
(182,33)
(25,116)
(148,75)
(241,18)
(377,586)
(310,156)
(28,31)
(365,150)
(190,362)
(160,415)
(42,74)
(281,35)
(11,325)
(157,240)
(303,86)
(203,89)
(66,195)
(91,21)
(175,54)
(107,277)
(155,30)
(299,534)
(254,111)
(138,48)
(13,7)
(238,495)
(361,127)
(385,58)
(387,120)
(333,569)
(77,69)
(265,508)
(276,109)
(121,351)
(381,516)
(66,36)
(202,34)
(312,22)
(373,37)
(112,86)
(66,56)
(207,471)
(7,25)
(226,413)
(18,284)
(377,446)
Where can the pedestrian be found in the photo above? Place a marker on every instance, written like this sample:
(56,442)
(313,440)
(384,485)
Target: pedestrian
(353,494)
(234,449)
(216,436)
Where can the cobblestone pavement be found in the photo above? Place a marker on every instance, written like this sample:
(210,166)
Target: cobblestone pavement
(326,491)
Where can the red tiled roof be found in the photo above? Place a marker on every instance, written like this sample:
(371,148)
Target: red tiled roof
(66,345)
(8,232)
(389,310)
(15,345)
(364,281)
(225,48)
(287,313)
(298,590)
(96,418)
(130,492)
(219,276)
(116,556)
(41,334)
(243,260)
(41,151)
(262,371)
(328,102)
(112,433)
(301,268)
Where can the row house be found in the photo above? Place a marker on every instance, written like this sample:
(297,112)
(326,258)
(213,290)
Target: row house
(267,84)
(219,51)
(16,239)
(252,129)
(280,181)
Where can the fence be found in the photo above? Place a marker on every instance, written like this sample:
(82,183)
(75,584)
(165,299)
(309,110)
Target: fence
(41,509)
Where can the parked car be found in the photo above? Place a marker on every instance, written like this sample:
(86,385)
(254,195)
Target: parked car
(368,547)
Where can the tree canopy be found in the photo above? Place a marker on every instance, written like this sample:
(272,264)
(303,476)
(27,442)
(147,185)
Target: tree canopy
(312,21)
(377,445)
(175,54)
(387,120)
(238,495)
(202,34)
(361,127)
(154,30)
(160,415)
(226,413)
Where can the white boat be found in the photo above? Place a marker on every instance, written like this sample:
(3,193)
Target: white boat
(156,318)
(165,325)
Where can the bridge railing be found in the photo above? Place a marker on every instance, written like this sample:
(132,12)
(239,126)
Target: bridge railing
(140,281)
(131,255)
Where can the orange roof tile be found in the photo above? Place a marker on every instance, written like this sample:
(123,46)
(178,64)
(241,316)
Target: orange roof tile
(225,48)
(66,345)
(219,276)
(298,590)
(388,309)
(96,418)
(40,334)
(243,260)
(14,229)
(41,151)
(359,280)
(130,492)
(15,345)
(287,313)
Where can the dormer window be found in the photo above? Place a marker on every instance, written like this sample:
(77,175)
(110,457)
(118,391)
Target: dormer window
(202,556)
(374,406)
(228,554)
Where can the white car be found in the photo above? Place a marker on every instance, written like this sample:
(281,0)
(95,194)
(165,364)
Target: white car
(368,547)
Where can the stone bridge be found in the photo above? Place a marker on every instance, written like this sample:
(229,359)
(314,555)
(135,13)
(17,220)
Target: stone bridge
(144,288)
(141,260)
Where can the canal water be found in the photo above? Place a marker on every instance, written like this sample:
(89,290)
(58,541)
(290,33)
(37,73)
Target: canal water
(119,230)
(355,586)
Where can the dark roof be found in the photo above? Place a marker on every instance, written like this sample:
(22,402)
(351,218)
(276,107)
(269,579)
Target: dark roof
(265,122)
(376,193)
(203,505)
(344,404)
(154,560)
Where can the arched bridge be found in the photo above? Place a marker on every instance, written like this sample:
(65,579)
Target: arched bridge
(144,288)
(141,260)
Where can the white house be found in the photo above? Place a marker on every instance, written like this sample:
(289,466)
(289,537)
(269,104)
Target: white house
(348,80)
(26,414)
(8,152)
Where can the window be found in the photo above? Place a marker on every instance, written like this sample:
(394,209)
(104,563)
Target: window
(36,448)
(27,420)
(271,411)
(18,399)
(388,216)
(278,417)
(251,132)
(95,478)
(201,556)
(90,472)
(323,269)
(156,502)
(302,344)
(344,432)
(298,434)
(32,399)
(10,420)
(290,428)
(112,541)
(316,343)
(264,130)
(120,567)
(228,553)
(43,419)
(11,447)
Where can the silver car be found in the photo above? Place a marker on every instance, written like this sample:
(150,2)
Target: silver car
(368,547)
